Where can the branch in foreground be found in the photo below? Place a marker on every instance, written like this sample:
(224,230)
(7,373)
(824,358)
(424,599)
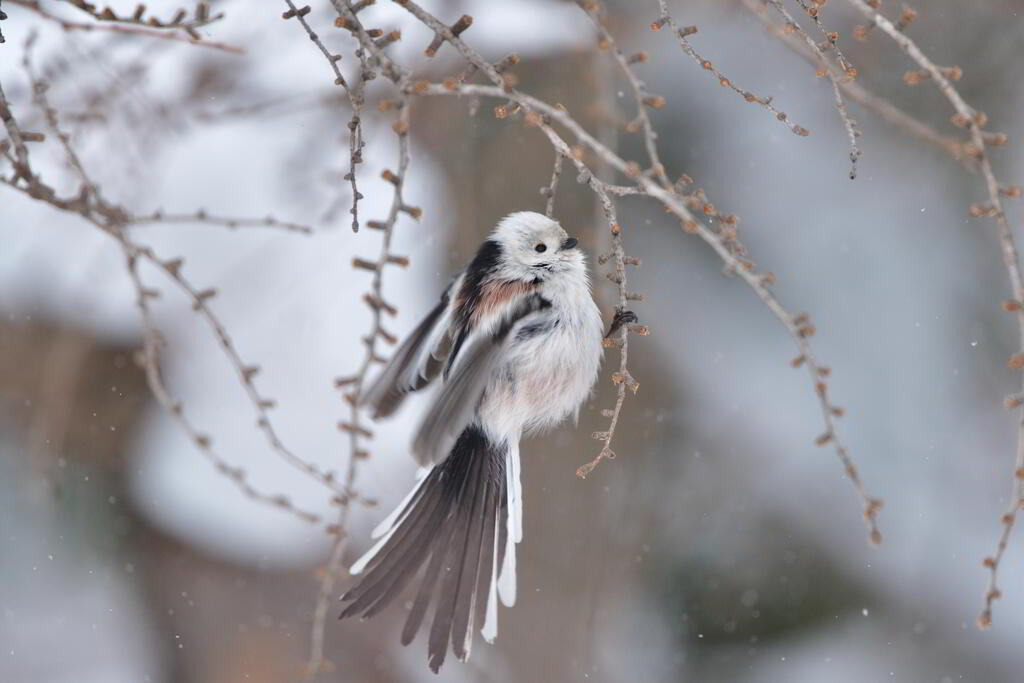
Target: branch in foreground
(854,91)
(111,219)
(622,379)
(355,384)
(706,64)
(824,70)
(149,359)
(127,28)
(181,19)
(550,190)
(974,121)
(355,99)
(202,217)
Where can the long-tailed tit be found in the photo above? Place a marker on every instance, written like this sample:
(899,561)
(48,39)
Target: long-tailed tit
(516,341)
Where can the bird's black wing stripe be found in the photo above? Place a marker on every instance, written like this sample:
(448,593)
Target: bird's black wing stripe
(479,269)
(483,265)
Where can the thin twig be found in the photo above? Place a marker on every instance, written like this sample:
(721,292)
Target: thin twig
(200,17)
(134,30)
(641,124)
(856,92)
(111,219)
(149,359)
(551,189)
(641,96)
(848,123)
(355,384)
(974,121)
(246,372)
(204,218)
(708,65)
(355,98)
(832,37)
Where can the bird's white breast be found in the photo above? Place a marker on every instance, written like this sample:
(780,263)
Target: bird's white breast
(550,369)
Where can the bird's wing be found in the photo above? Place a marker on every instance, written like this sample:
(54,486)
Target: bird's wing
(482,348)
(419,360)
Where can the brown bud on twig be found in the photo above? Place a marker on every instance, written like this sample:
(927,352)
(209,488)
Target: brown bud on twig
(907,15)
(355,429)
(202,296)
(377,303)
(654,101)
(982,209)
(995,139)
(391,37)
(464,22)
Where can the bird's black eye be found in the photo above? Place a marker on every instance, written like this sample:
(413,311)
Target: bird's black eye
(541,248)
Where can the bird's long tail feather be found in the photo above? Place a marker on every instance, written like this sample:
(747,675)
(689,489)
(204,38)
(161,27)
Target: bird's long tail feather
(462,522)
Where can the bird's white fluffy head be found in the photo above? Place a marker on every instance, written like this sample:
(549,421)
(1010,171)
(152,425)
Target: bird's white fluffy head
(534,246)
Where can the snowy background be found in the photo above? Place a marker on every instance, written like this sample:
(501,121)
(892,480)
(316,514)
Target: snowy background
(721,545)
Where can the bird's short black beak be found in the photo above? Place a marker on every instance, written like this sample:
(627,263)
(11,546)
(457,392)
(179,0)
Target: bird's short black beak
(569,243)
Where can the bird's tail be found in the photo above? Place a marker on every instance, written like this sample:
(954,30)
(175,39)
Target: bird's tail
(462,521)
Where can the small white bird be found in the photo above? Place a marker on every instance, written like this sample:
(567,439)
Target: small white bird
(516,340)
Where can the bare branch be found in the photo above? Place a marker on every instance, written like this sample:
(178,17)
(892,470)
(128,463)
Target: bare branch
(550,190)
(853,90)
(204,218)
(181,20)
(355,384)
(148,358)
(125,28)
(974,121)
(706,64)
(642,124)
(823,70)
(111,219)
(355,98)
